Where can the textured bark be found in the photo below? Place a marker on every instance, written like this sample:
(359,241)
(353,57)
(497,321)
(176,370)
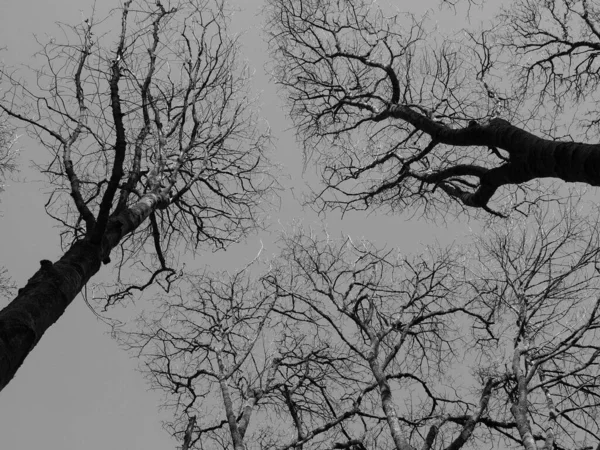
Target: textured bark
(552,413)
(247,413)
(519,408)
(433,432)
(236,437)
(53,287)
(472,421)
(519,412)
(388,406)
(255,395)
(530,157)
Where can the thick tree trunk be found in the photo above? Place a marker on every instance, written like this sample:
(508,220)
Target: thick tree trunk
(53,287)
(519,412)
(236,437)
(530,157)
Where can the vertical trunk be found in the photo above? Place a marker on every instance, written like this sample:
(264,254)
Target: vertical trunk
(519,412)
(236,437)
(552,413)
(53,287)
(433,432)
(256,394)
(187,437)
(519,408)
(388,406)
(295,416)
(247,412)
(41,302)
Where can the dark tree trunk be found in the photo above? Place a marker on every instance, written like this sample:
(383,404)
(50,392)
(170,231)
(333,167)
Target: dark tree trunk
(187,437)
(53,287)
(530,156)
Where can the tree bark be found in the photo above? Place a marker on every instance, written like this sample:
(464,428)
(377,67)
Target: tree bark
(388,406)
(473,419)
(530,156)
(236,437)
(295,416)
(256,395)
(519,408)
(224,373)
(519,412)
(53,287)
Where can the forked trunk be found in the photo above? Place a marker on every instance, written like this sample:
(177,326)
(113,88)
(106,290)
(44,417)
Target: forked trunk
(530,156)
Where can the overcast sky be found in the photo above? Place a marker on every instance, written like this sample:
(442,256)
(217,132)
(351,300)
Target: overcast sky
(78,390)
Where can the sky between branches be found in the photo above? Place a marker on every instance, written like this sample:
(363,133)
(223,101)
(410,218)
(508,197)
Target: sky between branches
(78,389)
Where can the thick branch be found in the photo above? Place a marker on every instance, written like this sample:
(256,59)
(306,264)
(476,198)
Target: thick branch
(388,408)
(294,413)
(120,146)
(519,408)
(472,421)
(236,437)
(80,204)
(256,395)
(187,437)
(530,157)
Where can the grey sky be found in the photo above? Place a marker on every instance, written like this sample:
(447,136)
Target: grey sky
(78,389)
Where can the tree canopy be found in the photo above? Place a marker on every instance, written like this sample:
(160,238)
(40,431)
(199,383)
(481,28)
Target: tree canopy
(402,116)
(339,344)
(153,143)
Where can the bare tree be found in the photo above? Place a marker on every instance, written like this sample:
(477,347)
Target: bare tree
(539,285)
(208,351)
(362,343)
(153,142)
(339,344)
(399,321)
(226,356)
(402,116)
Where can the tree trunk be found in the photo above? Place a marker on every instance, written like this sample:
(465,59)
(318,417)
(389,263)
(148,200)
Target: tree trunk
(530,156)
(519,408)
(388,406)
(224,373)
(187,437)
(519,412)
(236,437)
(53,287)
